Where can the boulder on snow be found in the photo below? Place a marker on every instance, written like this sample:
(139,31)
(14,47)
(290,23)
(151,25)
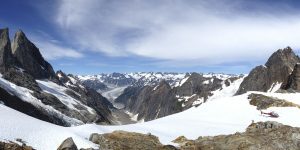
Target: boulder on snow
(264,102)
(67,144)
(128,140)
(14,146)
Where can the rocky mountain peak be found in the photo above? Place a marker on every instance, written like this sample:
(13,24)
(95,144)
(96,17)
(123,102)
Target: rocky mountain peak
(29,56)
(286,56)
(6,58)
(276,70)
(62,76)
(163,84)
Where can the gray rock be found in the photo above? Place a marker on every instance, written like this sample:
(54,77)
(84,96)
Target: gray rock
(6,58)
(123,140)
(67,144)
(264,102)
(14,146)
(277,69)
(149,102)
(293,82)
(21,78)
(30,57)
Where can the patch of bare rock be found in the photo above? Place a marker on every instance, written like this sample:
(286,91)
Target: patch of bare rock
(261,135)
(264,102)
(14,146)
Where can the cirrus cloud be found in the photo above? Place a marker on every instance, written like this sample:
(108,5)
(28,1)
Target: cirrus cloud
(207,32)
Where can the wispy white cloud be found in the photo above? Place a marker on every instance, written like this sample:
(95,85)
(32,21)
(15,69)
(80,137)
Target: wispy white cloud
(211,32)
(52,49)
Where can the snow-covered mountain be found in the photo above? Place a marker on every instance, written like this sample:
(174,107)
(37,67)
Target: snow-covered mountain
(29,84)
(129,79)
(140,79)
(162,99)
(164,93)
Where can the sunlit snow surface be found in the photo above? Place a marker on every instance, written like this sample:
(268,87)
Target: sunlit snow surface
(222,114)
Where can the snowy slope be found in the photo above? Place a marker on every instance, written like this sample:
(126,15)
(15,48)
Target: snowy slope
(59,92)
(220,115)
(26,95)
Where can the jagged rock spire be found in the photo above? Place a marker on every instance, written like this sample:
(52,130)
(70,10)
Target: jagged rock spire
(276,70)
(30,57)
(6,58)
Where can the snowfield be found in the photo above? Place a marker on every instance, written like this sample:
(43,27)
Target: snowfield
(59,92)
(26,95)
(222,114)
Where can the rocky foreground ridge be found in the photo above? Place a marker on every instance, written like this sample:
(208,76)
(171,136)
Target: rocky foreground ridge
(260,135)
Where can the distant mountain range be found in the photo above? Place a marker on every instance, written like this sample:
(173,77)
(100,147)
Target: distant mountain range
(164,93)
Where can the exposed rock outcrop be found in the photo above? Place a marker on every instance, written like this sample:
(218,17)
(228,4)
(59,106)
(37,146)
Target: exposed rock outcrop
(293,83)
(30,57)
(68,144)
(276,70)
(14,146)
(261,135)
(199,87)
(128,140)
(150,102)
(6,58)
(264,102)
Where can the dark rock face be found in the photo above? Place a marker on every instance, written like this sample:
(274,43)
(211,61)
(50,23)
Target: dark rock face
(20,78)
(118,79)
(150,103)
(6,58)
(128,140)
(30,57)
(195,85)
(262,135)
(95,84)
(293,82)
(68,144)
(129,94)
(277,69)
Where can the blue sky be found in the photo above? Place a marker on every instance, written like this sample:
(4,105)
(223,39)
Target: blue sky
(95,36)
